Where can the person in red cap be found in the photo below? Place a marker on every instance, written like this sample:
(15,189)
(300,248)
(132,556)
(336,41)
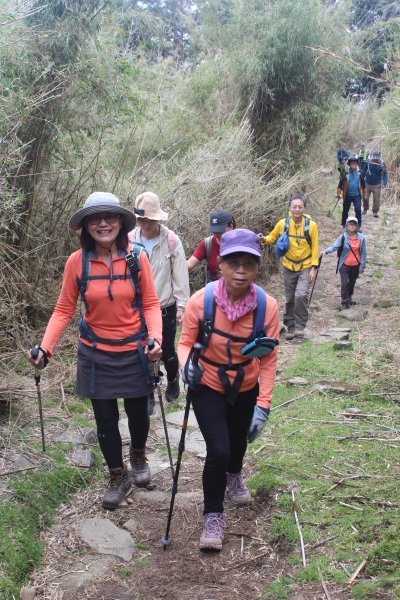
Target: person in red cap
(208,249)
(231,385)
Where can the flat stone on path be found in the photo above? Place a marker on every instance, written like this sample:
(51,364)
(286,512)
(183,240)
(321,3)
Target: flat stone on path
(76,435)
(385,303)
(337,386)
(194,441)
(297,381)
(176,418)
(335,335)
(83,573)
(343,345)
(157,463)
(354,314)
(106,538)
(81,457)
(28,593)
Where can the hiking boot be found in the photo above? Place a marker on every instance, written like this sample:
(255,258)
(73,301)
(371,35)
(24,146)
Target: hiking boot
(343,306)
(213,532)
(290,333)
(364,212)
(172,391)
(376,215)
(237,490)
(351,302)
(118,488)
(139,468)
(299,332)
(150,403)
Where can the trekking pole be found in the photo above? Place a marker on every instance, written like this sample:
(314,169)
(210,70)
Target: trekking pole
(337,202)
(34,354)
(166,540)
(315,281)
(150,345)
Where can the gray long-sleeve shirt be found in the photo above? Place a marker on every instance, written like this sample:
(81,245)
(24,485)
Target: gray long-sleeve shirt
(168,263)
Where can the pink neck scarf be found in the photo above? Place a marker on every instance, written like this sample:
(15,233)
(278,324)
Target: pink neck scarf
(234,310)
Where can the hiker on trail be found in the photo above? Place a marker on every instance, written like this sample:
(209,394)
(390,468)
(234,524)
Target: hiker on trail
(122,312)
(171,278)
(208,249)
(352,255)
(341,157)
(351,188)
(231,407)
(362,155)
(376,176)
(300,263)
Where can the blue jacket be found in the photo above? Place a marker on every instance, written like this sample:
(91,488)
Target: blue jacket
(375,173)
(346,249)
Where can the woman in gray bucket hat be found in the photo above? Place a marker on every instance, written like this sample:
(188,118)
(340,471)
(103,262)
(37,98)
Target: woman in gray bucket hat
(122,312)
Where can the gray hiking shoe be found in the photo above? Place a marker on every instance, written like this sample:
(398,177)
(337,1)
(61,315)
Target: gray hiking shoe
(299,332)
(172,391)
(213,532)
(343,306)
(118,488)
(237,490)
(140,470)
(290,333)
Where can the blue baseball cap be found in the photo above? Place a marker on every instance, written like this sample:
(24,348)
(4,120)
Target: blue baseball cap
(220,220)
(240,240)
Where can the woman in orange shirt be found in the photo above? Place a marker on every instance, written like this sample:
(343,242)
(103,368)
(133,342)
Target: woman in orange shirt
(230,392)
(121,313)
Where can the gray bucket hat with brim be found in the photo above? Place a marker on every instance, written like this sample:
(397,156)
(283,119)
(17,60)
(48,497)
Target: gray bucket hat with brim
(99,202)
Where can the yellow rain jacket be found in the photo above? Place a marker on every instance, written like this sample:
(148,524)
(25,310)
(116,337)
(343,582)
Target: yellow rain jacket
(300,255)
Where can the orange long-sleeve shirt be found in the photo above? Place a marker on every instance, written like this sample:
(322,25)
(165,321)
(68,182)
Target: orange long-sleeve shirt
(263,369)
(109,318)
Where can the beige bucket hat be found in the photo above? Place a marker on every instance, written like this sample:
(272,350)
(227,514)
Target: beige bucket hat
(147,205)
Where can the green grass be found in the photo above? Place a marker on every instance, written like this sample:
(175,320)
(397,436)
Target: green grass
(306,454)
(37,495)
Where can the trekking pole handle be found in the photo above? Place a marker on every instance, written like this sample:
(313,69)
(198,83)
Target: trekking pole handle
(151,342)
(197,348)
(43,361)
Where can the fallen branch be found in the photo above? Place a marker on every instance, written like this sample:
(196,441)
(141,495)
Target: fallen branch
(321,543)
(323,584)
(355,437)
(357,572)
(292,400)
(63,403)
(351,506)
(18,470)
(303,553)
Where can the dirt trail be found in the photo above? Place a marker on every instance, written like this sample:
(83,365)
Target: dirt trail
(248,562)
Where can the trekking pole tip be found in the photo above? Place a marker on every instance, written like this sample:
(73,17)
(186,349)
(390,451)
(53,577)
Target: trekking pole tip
(165,542)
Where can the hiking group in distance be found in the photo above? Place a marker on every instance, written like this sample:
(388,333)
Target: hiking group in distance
(132,278)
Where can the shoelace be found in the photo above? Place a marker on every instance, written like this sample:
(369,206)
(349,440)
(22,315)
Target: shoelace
(237,483)
(214,525)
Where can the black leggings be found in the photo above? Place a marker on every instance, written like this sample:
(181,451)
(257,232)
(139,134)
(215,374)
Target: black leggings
(106,414)
(224,428)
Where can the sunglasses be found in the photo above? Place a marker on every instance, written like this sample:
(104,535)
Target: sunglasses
(110,218)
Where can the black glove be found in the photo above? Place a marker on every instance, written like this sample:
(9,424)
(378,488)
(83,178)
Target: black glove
(192,373)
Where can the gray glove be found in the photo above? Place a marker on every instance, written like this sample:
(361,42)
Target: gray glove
(260,416)
(192,373)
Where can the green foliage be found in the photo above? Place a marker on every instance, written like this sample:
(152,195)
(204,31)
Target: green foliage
(37,495)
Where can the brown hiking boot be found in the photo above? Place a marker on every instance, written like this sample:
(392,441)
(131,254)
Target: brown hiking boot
(119,487)
(290,333)
(139,467)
